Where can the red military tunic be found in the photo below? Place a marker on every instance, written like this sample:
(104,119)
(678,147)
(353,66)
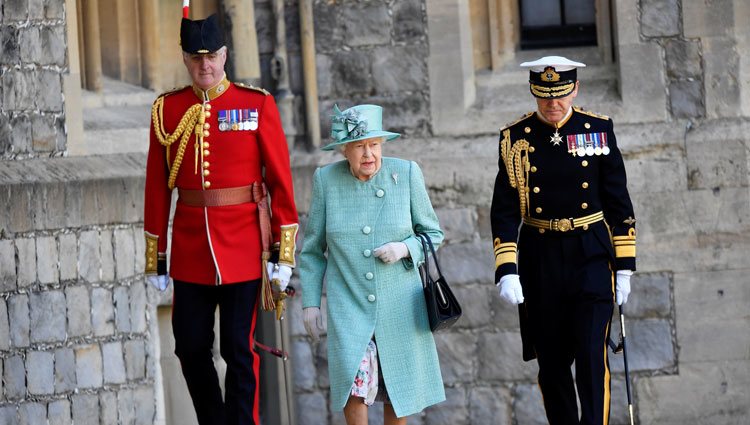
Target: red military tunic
(216,244)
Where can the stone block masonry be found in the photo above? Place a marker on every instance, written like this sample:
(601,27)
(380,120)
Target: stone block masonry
(33,60)
(74,310)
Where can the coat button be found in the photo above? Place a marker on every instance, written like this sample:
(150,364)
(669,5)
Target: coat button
(538,210)
(206,173)
(206,184)
(585,185)
(369,276)
(536,190)
(380,193)
(367,253)
(531,149)
(584,205)
(585,163)
(207,106)
(533,169)
(206,164)
(371,298)
(366,230)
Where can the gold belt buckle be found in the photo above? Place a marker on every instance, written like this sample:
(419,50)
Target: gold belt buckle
(562,224)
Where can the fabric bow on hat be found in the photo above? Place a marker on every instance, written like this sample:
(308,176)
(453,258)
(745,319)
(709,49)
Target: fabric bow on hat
(347,125)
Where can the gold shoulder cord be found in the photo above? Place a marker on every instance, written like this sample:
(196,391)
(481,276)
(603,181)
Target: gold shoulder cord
(183,131)
(516,162)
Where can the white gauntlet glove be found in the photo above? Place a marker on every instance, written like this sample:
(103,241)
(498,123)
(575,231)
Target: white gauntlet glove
(510,289)
(313,322)
(159,282)
(622,287)
(391,252)
(280,274)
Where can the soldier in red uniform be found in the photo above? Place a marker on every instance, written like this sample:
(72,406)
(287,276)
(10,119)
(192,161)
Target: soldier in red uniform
(211,141)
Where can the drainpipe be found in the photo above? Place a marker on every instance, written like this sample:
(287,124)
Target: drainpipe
(307,35)
(280,73)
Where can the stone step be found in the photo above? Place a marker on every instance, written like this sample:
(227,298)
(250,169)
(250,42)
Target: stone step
(117,93)
(120,140)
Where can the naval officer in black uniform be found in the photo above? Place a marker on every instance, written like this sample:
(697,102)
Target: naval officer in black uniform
(563,232)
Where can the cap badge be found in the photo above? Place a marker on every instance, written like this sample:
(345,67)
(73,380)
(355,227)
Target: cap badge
(549,75)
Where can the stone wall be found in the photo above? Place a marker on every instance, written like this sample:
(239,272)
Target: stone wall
(366,52)
(76,317)
(32,63)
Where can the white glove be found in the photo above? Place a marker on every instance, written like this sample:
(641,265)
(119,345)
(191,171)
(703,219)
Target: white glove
(279,275)
(622,288)
(391,252)
(313,322)
(510,289)
(159,282)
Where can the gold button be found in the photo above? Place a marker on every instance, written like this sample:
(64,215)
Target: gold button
(206,164)
(585,227)
(206,152)
(541,230)
(207,106)
(584,205)
(206,173)
(207,184)
(527,130)
(585,185)
(587,125)
(538,210)
(536,190)
(207,114)
(531,149)
(533,169)
(206,126)
(151,249)
(206,134)
(585,163)
(206,145)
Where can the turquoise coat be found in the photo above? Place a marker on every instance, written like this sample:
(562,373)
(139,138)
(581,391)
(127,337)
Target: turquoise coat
(348,219)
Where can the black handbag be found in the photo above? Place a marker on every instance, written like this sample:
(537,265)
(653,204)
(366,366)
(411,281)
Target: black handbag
(443,309)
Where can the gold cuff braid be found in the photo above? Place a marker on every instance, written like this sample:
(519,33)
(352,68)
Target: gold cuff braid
(152,253)
(287,245)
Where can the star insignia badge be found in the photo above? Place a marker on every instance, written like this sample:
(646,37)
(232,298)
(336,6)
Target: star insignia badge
(556,139)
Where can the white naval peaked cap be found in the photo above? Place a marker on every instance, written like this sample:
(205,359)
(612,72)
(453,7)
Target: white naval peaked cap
(558,62)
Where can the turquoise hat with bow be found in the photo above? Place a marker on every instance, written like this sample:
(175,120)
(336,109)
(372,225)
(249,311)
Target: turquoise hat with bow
(357,123)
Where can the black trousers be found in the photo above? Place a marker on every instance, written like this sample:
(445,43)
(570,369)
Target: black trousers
(568,288)
(193,311)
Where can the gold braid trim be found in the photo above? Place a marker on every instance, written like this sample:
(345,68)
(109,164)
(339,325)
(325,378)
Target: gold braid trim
(516,162)
(183,131)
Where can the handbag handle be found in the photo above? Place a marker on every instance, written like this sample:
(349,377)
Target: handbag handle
(426,241)
(423,237)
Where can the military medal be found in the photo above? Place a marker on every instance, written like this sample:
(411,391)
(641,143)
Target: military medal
(580,149)
(223,121)
(233,120)
(605,148)
(589,145)
(556,139)
(253,119)
(597,144)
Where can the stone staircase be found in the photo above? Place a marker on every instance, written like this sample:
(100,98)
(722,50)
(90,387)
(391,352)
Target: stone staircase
(116,120)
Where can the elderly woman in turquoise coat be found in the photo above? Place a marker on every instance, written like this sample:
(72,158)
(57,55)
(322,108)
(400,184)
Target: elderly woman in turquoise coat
(360,236)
